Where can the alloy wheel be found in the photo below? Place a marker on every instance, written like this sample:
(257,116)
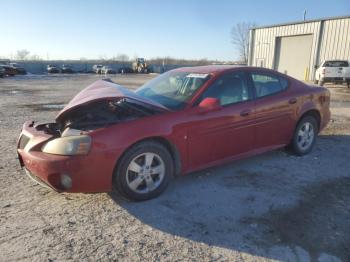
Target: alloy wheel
(145,173)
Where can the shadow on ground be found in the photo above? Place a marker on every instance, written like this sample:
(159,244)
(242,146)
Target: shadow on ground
(275,205)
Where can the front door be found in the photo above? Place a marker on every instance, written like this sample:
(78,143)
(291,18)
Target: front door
(221,134)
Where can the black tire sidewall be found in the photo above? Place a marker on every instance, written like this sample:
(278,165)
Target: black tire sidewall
(119,176)
(296,147)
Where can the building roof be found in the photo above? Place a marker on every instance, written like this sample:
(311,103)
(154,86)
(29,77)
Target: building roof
(303,22)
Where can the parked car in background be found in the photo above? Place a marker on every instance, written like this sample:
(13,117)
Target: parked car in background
(9,70)
(4,61)
(52,69)
(2,71)
(66,69)
(107,70)
(184,120)
(97,69)
(125,70)
(333,71)
(19,70)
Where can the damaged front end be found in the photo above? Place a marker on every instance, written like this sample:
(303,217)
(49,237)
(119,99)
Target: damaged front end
(104,103)
(102,113)
(53,153)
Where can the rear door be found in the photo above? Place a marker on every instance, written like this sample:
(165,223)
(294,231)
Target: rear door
(274,108)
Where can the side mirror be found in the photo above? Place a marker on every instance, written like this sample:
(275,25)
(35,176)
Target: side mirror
(209,104)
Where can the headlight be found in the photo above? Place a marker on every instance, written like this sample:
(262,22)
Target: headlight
(70,145)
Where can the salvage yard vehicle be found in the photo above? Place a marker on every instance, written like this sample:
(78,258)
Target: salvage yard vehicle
(97,69)
(107,70)
(125,70)
(2,71)
(333,71)
(8,70)
(66,69)
(188,119)
(19,70)
(140,66)
(52,69)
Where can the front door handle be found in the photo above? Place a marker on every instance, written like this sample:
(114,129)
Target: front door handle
(292,101)
(246,112)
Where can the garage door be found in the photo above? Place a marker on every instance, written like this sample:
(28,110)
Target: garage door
(293,55)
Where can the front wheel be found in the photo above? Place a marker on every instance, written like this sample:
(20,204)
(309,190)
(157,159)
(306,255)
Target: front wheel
(305,136)
(144,171)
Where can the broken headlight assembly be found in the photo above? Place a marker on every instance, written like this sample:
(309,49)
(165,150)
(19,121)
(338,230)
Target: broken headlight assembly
(68,146)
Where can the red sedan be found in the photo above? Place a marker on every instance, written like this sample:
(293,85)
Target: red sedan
(184,120)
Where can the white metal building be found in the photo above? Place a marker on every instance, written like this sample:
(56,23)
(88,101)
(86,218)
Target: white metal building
(297,48)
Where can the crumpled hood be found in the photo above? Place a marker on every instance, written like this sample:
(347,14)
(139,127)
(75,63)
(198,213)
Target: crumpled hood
(102,89)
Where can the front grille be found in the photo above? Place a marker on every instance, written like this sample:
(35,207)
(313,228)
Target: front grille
(23,141)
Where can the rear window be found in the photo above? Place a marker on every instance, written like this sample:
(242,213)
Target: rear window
(267,84)
(336,64)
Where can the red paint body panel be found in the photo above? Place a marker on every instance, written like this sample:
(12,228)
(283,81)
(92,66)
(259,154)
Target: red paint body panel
(201,139)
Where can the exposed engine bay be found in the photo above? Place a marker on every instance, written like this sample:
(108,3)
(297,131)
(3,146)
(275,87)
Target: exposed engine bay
(98,114)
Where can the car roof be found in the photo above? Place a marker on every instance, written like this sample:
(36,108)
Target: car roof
(209,68)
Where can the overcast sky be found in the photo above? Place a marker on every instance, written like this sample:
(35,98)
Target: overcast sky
(147,28)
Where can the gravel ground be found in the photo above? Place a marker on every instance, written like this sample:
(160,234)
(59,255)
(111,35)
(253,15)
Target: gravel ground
(275,206)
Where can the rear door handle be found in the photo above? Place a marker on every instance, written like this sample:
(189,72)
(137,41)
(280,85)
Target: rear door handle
(292,101)
(246,112)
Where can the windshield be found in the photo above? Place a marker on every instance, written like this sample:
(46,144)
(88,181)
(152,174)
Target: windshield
(173,89)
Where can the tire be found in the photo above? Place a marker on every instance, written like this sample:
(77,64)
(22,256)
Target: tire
(316,82)
(137,180)
(321,83)
(302,142)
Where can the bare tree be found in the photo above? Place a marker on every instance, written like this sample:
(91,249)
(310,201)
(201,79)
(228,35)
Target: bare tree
(103,57)
(35,57)
(240,38)
(122,58)
(22,54)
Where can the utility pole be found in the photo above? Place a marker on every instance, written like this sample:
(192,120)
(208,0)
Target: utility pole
(304,17)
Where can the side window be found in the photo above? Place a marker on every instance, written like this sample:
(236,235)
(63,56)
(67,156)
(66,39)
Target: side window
(231,88)
(267,84)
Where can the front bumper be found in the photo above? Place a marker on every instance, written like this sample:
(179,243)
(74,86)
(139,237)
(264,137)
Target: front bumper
(37,179)
(89,173)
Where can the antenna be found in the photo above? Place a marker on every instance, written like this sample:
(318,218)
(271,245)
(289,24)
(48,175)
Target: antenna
(304,17)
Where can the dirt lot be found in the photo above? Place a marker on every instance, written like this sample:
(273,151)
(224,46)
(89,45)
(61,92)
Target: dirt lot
(271,207)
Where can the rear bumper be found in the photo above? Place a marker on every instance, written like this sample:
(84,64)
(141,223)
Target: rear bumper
(88,173)
(335,79)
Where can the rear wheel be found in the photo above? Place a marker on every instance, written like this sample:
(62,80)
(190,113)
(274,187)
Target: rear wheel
(305,135)
(144,171)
